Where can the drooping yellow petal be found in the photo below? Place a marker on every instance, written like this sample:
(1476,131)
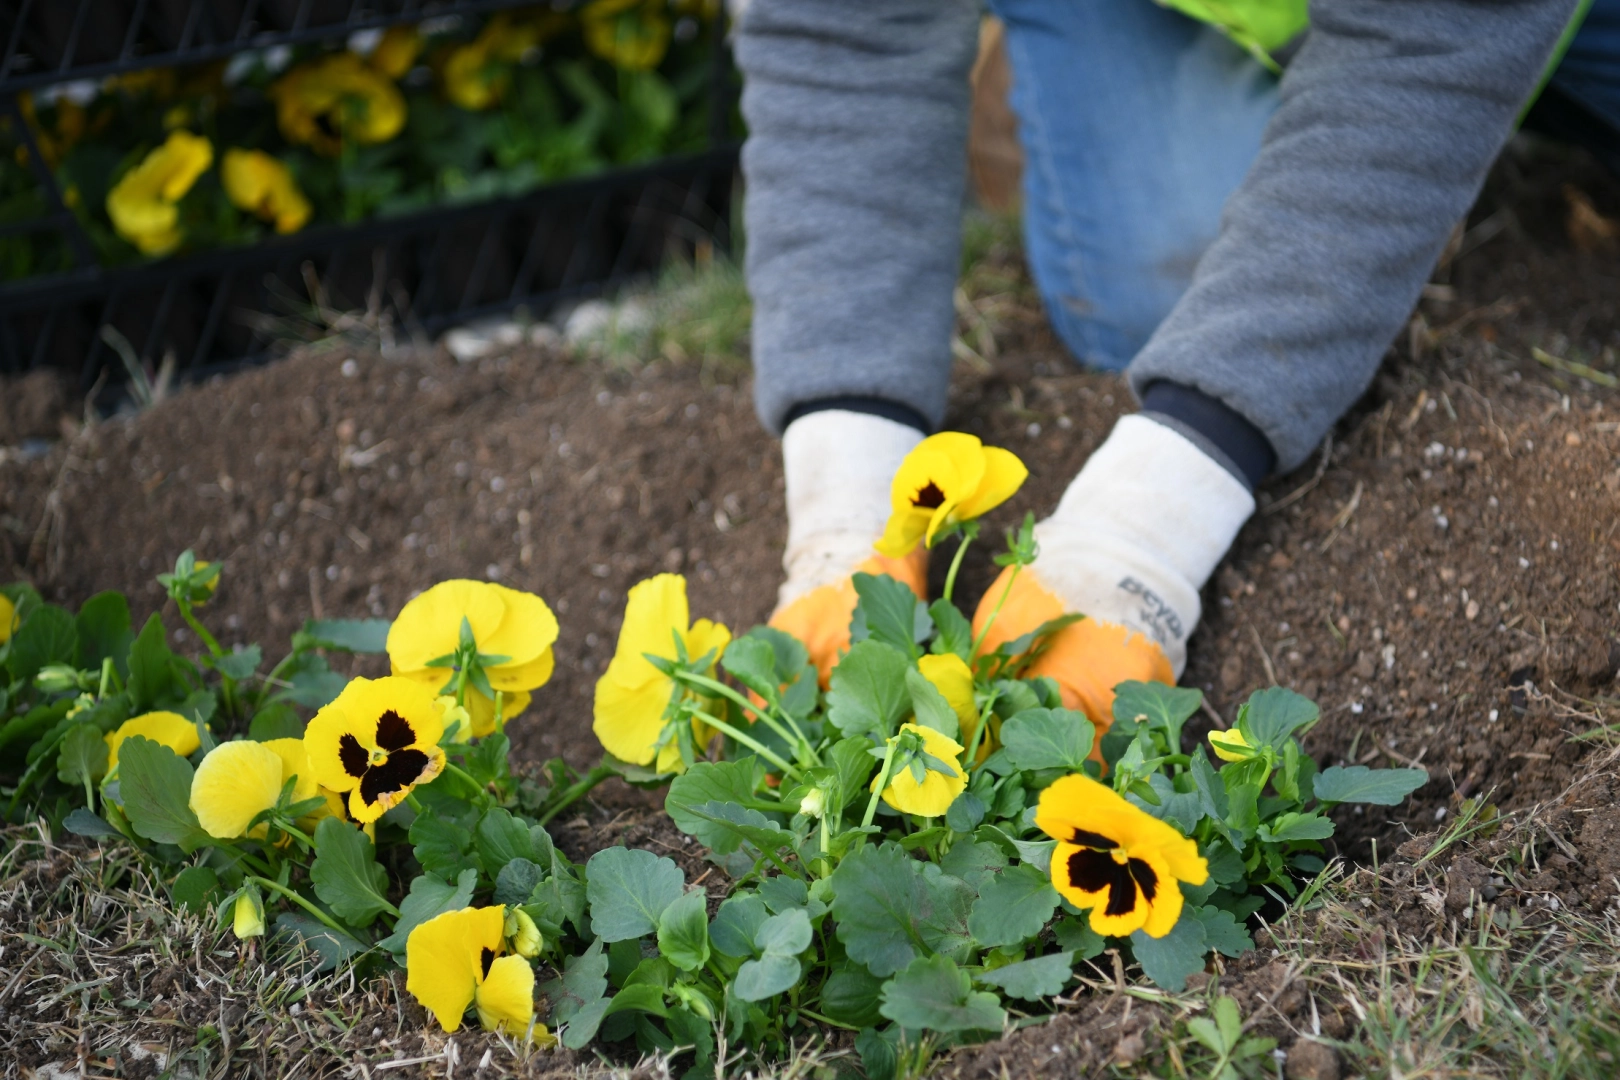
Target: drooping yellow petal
(526,633)
(954,680)
(235,782)
(629,717)
(934,795)
(1003,475)
(171,729)
(142,205)
(259,184)
(655,610)
(294,763)
(505,999)
(444,960)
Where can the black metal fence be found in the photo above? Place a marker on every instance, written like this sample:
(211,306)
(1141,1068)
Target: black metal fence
(419,272)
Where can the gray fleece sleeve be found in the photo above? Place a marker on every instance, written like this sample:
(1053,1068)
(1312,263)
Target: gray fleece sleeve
(1391,113)
(855,164)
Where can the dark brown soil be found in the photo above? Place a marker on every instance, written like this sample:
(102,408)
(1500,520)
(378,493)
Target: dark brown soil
(1444,578)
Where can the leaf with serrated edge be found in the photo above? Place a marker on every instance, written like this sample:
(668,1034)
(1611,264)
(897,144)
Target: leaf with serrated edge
(932,993)
(867,694)
(345,873)
(1048,739)
(1170,959)
(1012,907)
(1359,784)
(683,931)
(628,890)
(1031,980)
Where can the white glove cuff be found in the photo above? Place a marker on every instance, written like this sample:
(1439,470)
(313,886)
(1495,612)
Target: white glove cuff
(1140,530)
(839,467)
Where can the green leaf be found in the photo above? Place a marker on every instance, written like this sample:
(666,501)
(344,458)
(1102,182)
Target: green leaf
(784,894)
(853,766)
(1031,980)
(880,1055)
(930,706)
(1037,853)
(731,826)
(1207,782)
(683,931)
(1048,739)
(965,812)
(736,923)
(1223,932)
(1286,827)
(517,881)
(705,782)
(933,993)
(155,784)
(429,896)
(955,632)
(867,694)
(786,934)
(346,875)
(975,862)
(850,996)
(628,890)
(499,838)
(1359,784)
(779,940)
(884,904)
(349,635)
(313,684)
(1272,715)
(49,636)
(104,632)
(82,822)
(332,946)
(241,663)
(1076,936)
(276,721)
(1170,959)
(583,982)
(82,756)
(152,680)
(1181,809)
(752,662)
(888,610)
(442,845)
(1013,906)
(195,888)
(1157,706)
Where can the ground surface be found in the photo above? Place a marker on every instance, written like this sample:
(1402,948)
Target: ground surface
(1442,577)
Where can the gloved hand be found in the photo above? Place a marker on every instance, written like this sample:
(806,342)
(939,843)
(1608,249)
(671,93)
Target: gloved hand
(1132,541)
(838,467)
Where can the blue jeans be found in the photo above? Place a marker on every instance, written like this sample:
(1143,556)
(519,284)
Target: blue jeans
(1137,124)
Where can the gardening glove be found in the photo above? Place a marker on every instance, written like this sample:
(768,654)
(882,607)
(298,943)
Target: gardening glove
(838,466)
(1132,541)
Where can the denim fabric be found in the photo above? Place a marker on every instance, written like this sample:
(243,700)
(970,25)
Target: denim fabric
(1138,124)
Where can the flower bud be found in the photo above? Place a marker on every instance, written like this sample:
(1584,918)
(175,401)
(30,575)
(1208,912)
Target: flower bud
(249,922)
(814,803)
(456,718)
(523,934)
(55,678)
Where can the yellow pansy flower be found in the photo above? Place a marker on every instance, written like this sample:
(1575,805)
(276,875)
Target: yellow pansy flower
(237,781)
(1116,859)
(478,74)
(454,960)
(375,742)
(933,794)
(1230,745)
(143,204)
(517,626)
(632,35)
(336,98)
(632,695)
(171,729)
(396,50)
(265,188)
(8,619)
(947,479)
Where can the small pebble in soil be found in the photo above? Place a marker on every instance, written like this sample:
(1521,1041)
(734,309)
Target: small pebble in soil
(1033,431)
(1524,563)
(1440,814)
(350,369)
(1493,716)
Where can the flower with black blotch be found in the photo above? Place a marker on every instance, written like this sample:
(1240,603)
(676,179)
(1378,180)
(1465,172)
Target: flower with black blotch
(337,99)
(925,776)
(171,729)
(477,637)
(1119,861)
(946,480)
(634,695)
(375,742)
(454,960)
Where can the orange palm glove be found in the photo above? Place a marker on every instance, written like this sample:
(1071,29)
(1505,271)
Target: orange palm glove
(820,618)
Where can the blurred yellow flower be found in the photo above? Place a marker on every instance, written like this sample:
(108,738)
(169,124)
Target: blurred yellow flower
(632,694)
(264,187)
(517,627)
(933,794)
(8,619)
(54,142)
(947,479)
(632,35)
(171,729)
(478,74)
(142,204)
(336,98)
(396,51)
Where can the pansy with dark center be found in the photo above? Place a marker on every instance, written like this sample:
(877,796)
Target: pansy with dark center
(1116,859)
(375,742)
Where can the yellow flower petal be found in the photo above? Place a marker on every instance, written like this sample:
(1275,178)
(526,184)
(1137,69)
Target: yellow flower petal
(247,918)
(8,619)
(954,680)
(629,717)
(376,741)
(934,795)
(444,960)
(1230,745)
(1003,475)
(655,609)
(142,205)
(707,637)
(947,479)
(235,782)
(429,625)
(396,51)
(259,184)
(171,729)
(505,1000)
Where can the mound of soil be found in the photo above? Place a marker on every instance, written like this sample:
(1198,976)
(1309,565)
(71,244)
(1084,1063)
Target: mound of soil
(1442,577)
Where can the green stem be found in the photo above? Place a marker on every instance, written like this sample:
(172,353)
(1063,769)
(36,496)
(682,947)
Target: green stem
(414,803)
(106,678)
(577,791)
(1005,592)
(883,782)
(956,563)
(747,740)
(764,712)
(274,677)
(277,887)
(826,1019)
(199,629)
(979,732)
(463,775)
